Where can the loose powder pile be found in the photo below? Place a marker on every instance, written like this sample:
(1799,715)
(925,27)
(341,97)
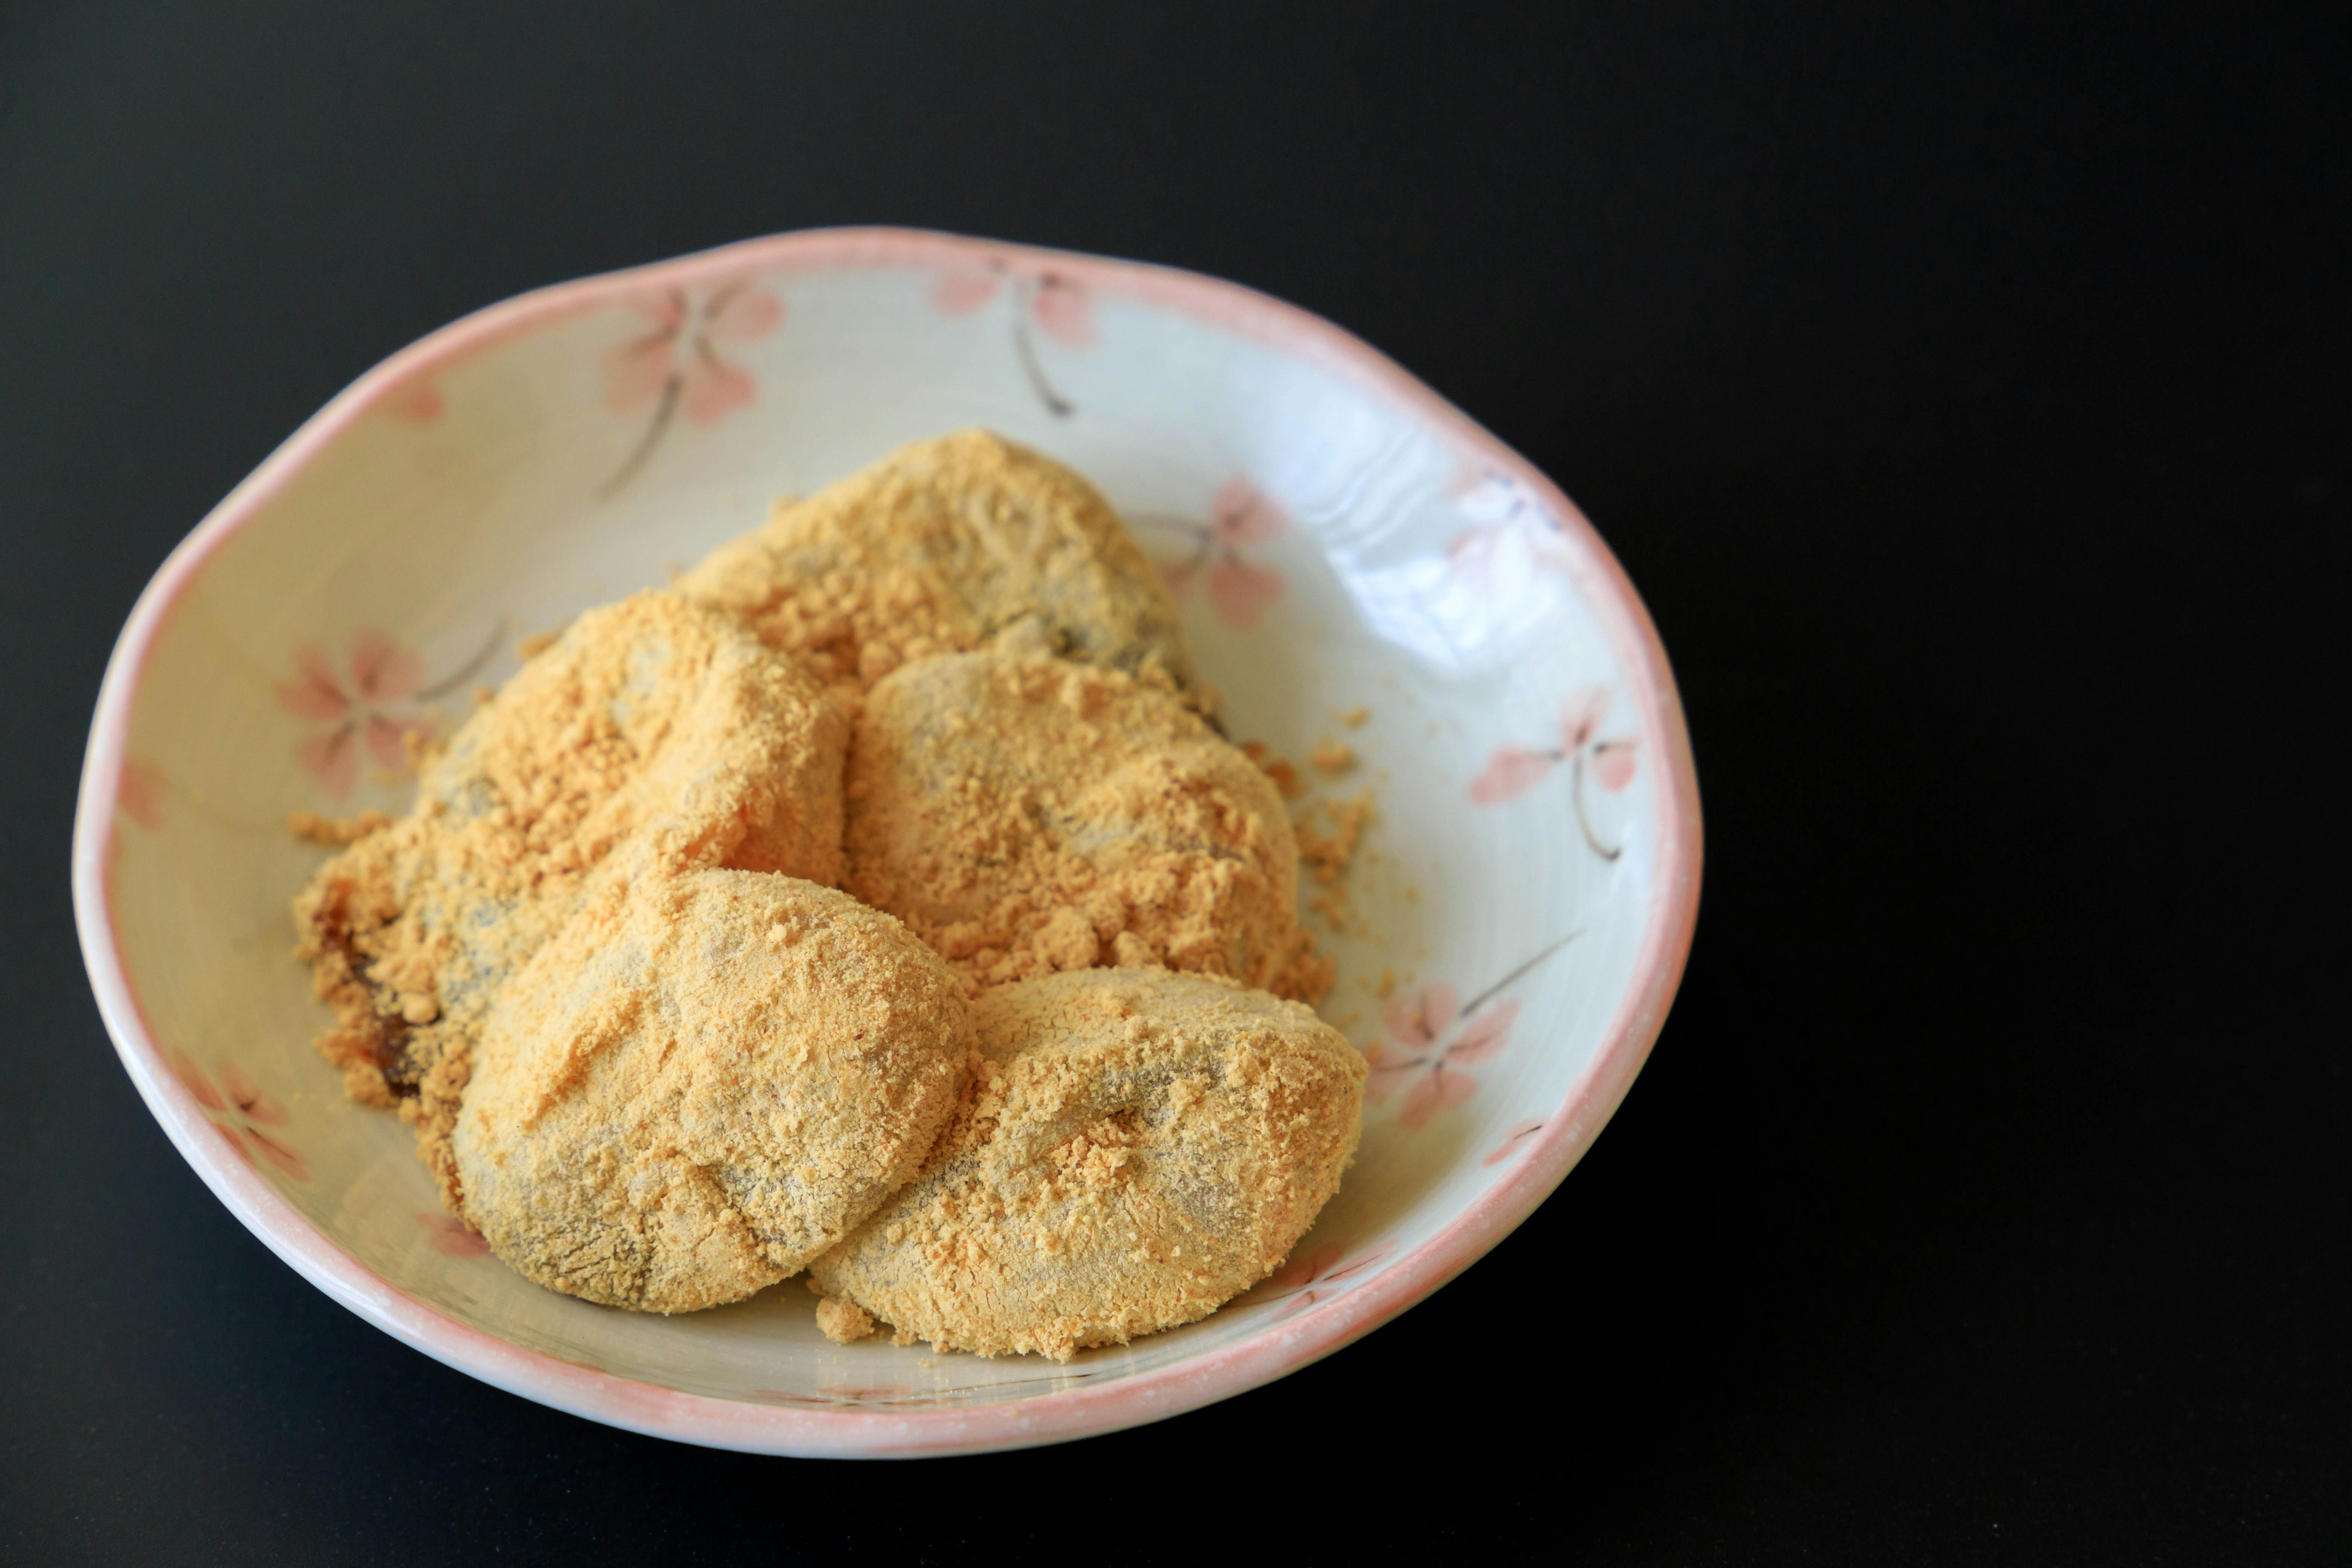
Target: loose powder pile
(1281,770)
(1331,757)
(659,1062)
(701,1083)
(654,720)
(1329,854)
(1138,1148)
(936,549)
(1027,815)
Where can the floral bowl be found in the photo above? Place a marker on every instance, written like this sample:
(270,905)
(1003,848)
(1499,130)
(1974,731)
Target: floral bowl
(1361,566)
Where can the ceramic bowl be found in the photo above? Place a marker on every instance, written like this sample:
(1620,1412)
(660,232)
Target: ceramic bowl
(1357,563)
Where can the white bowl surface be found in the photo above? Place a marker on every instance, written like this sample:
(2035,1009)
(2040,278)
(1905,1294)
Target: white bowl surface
(1340,538)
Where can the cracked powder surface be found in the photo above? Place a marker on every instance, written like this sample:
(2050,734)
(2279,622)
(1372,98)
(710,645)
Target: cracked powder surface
(1137,1147)
(704,1080)
(653,721)
(1026,816)
(1026,813)
(934,549)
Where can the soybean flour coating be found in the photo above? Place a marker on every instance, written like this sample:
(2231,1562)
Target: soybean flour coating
(880,902)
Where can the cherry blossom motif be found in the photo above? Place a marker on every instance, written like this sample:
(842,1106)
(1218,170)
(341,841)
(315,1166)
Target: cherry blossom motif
(1502,509)
(1058,304)
(139,793)
(1513,1142)
(1512,770)
(419,403)
(238,1111)
(373,701)
(1320,1275)
(365,703)
(675,366)
(1433,1038)
(1239,590)
(1434,1074)
(451,1236)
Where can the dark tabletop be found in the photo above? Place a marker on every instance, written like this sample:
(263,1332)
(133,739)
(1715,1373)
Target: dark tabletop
(1969,399)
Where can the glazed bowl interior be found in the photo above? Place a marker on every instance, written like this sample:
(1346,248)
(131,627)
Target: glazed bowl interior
(1358,565)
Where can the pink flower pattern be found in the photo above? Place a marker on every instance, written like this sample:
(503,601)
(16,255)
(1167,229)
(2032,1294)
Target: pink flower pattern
(238,1111)
(1239,590)
(675,366)
(451,1237)
(1434,1039)
(1058,304)
(1512,770)
(1501,506)
(374,702)
(419,403)
(1320,1275)
(365,704)
(1433,1075)
(139,793)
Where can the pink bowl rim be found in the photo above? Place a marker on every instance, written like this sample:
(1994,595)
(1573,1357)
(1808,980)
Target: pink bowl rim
(1273,1351)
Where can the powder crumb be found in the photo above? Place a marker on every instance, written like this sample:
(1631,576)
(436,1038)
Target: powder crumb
(1333,905)
(1331,757)
(1329,855)
(335,831)
(531,646)
(417,748)
(1354,717)
(1286,780)
(482,694)
(844,1321)
(1387,987)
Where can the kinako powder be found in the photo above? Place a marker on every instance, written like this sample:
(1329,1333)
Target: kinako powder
(710,725)
(936,549)
(704,1080)
(654,722)
(1027,815)
(1137,1147)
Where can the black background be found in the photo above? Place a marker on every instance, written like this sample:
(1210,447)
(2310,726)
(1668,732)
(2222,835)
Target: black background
(1968,396)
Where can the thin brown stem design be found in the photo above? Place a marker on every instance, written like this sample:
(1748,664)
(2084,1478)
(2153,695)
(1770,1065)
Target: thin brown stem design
(662,414)
(1522,973)
(470,669)
(1024,304)
(1576,794)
